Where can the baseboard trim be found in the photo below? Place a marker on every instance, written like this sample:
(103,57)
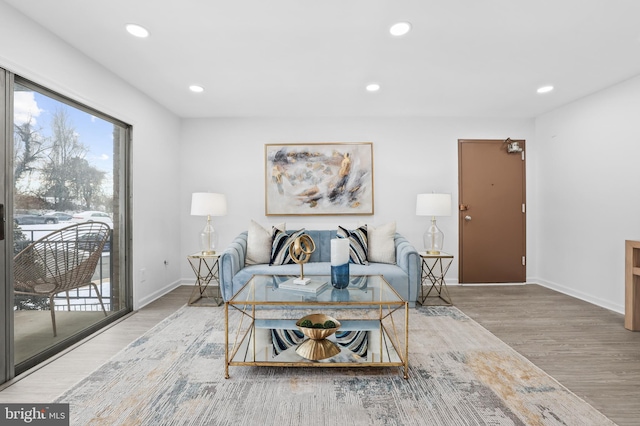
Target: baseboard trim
(157,294)
(553,286)
(486,284)
(580,295)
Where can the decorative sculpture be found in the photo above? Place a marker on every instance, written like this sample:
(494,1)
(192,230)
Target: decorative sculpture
(317,347)
(300,251)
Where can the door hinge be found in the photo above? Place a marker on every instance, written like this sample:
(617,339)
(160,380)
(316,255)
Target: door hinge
(524,260)
(522,155)
(524,209)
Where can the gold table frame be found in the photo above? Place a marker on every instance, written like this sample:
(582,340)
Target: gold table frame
(434,269)
(260,303)
(206,267)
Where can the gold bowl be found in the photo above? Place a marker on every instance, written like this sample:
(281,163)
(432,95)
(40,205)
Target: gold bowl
(318,333)
(317,347)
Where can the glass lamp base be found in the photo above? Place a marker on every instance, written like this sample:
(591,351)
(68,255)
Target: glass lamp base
(208,240)
(433,239)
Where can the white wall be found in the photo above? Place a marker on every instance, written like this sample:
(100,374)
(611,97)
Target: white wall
(32,52)
(411,156)
(589,199)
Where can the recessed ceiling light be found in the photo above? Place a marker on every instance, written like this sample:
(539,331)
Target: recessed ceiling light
(196,89)
(137,30)
(373,87)
(400,29)
(545,89)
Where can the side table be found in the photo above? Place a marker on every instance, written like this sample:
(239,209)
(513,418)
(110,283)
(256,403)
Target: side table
(207,269)
(434,269)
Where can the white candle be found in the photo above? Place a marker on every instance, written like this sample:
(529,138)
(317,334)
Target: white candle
(339,251)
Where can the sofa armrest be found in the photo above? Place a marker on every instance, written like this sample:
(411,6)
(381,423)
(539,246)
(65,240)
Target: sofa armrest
(231,262)
(408,259)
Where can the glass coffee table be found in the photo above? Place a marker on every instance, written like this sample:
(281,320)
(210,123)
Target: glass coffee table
(373,319)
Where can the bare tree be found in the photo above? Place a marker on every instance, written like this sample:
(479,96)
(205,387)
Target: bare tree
(68,178)
(85,181)
(29,148)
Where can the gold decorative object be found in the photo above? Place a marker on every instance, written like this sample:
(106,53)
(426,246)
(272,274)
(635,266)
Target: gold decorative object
(317,347)
(300,251)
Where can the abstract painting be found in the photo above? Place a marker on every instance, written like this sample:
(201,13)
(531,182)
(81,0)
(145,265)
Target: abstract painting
(319,179)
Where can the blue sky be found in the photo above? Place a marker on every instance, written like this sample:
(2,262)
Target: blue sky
(96,134)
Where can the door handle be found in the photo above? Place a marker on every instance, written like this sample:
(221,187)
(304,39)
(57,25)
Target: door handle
(467,218)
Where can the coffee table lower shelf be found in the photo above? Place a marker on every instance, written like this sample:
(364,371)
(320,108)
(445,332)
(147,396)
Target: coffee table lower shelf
(362,343)
(373,332)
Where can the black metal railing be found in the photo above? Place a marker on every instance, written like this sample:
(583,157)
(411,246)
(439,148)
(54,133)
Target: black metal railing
(78,299)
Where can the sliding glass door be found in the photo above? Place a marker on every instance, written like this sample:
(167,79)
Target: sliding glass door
(67,199)
(6,303)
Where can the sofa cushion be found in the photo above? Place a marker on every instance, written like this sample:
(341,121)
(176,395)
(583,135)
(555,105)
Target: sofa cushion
(259,242)
(322,239)
(381,243)
(280,246)
(358,246)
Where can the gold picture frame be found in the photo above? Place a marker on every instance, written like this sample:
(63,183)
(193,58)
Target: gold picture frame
(319,179)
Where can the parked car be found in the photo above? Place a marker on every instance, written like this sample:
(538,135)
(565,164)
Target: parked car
(62,217)
(90,242)
(92,216)
(34,219)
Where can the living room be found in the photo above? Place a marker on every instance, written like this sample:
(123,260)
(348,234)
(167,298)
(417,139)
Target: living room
(576,151)
(565,153)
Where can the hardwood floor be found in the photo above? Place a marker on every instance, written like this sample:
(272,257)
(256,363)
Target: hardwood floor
(48,382)
(584,347)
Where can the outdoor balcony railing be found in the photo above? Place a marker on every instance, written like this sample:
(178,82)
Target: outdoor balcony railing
(79,299)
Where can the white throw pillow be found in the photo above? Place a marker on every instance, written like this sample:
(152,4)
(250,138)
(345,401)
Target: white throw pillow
(259,243)
(382,247)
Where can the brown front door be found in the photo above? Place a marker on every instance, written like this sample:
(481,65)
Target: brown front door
(492,218)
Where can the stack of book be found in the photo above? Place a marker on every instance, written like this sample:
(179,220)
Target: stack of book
(313,286)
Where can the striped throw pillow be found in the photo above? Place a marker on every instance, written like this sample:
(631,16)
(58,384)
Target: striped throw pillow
(280,246)
(358,244)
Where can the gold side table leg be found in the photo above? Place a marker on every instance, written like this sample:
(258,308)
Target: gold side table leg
(226,340)
(406,340)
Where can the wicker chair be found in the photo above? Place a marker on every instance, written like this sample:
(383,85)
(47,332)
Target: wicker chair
(61,261)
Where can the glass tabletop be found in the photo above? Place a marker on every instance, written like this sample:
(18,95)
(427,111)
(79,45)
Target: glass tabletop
(362,290)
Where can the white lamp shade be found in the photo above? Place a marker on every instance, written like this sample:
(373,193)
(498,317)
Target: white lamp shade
(208,204)
(433,205)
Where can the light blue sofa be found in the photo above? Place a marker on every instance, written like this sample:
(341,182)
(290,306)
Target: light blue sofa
(404,276)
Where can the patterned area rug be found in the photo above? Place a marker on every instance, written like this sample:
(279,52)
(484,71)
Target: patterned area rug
(459,374)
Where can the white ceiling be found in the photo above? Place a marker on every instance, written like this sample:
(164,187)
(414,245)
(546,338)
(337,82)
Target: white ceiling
(478,58)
